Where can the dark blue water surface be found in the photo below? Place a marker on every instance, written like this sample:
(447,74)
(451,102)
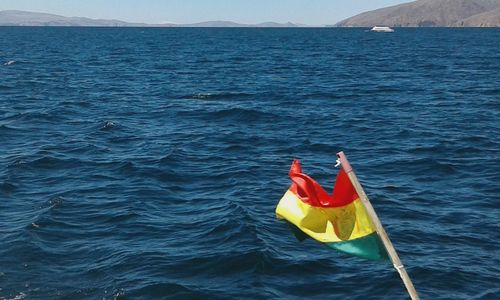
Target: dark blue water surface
(147,163)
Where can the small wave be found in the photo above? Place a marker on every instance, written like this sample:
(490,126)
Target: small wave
(175,155)
(7,187)
(218,96)
(437,166)
(83,293)
(125,166)
(120,218)
(320,147)
(4,128)
(50,162)
(74,103)
(493,293)
(5,87)
(491,92)
(229,114)
(462,276)
(427,149)
(323,96)
(42,115)
(243,114)
(169,290)
(388,89)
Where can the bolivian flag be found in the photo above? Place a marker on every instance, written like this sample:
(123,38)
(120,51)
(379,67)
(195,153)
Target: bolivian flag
(339,220)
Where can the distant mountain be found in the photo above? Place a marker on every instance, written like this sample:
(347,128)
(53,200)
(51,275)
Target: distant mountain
(274,24)
(233,24)
(25,18)
(214,24)
(431,13)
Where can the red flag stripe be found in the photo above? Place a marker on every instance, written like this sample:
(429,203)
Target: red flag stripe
(312,193)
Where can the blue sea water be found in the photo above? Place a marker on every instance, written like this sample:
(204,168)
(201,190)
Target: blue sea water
(144,163)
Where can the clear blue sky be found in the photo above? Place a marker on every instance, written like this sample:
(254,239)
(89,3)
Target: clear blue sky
(313,12)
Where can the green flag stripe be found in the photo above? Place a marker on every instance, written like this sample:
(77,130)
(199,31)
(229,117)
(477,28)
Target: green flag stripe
(369,247)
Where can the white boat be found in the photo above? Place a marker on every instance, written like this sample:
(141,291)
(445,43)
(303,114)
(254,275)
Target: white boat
(382,29)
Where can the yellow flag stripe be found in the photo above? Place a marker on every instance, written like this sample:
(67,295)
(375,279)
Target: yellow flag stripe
(327,225)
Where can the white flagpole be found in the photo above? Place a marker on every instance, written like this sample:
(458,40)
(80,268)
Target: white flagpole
(378,225)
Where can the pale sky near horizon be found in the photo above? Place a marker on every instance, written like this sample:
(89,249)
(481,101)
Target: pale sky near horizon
(312,12)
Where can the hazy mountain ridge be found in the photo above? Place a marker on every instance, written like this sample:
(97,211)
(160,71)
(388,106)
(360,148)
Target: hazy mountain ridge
(234,24)
(24,18)
(431,13)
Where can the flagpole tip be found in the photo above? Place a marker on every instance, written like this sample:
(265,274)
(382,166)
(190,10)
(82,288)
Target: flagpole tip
(344,162)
